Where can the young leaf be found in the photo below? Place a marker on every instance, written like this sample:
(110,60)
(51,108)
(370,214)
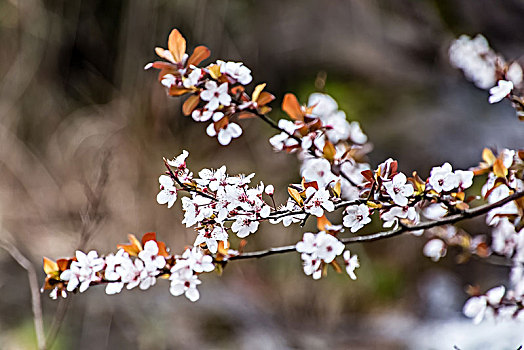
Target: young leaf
(291,106)
(191,103)
(201,53)
(177,45)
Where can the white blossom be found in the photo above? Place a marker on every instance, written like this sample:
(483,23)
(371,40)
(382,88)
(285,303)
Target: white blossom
(356,217)
(476,59)
(351,264)
(168,80)
(317,201)
(149,255)
(179,161)
(514,73)
(443,179)
(211,236)
(185,283)
(398,190)
(435,249)
(83,271)
(319,170)
(226,134)
(201,115)
(236,70)
(215,95)
(193,78)
(244,225)
(167,192)
(499,92)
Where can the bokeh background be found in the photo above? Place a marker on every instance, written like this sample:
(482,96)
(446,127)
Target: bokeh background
(83,129)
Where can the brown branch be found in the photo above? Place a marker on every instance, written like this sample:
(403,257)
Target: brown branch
(466,214)
(35,293)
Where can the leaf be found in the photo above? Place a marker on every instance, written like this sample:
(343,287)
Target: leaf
(162,250)
(133,248)
(246,115)
(295,195)
(237,90)
(336,266)
(221,124)
(50,266)
(499,169)
(264,109)
(177,45)
(63,264)
(191,103)
(291,106)
(150,236)
(165,54)
(175,91)
(199,54)
(257,91)
(337,188)
(264,98)
(368,175)
(329,151)
(488,156)
(322,222)
(214,71)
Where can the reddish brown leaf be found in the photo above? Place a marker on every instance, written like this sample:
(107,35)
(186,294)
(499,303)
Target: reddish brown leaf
(201,53)
(322,222)
(291,106)
(264,98)
(246,115)
(191,103)
(175,91)
(177,45)
(150,236)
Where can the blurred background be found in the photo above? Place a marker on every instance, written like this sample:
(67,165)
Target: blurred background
(83,129)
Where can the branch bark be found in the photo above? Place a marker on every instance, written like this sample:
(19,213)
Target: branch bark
(35,293)
(466,214)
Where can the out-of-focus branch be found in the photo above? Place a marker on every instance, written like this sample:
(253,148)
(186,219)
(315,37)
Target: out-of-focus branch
(35,293)
(466,214)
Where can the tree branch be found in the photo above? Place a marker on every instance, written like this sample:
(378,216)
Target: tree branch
(466,214)
(35,293)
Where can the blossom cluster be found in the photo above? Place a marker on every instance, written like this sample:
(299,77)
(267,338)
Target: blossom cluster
(505,176)
(322,248)
(335,175)
(489,70)
(216,91)
(216,199)
(134,264)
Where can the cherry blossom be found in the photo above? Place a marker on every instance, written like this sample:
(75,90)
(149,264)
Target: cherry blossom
(351,264)
(435,249)
(210,236)
(317,202)
(243,226)
(475,58)
(443,179)
(477,307)
(185,283)
(356,217)
(193,78)
(167,192)
(83,271)
(226,134)
(398,190)
(152,261)
(215,95)
(499,92)
(236,70)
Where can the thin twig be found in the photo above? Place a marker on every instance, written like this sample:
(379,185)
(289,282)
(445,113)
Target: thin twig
(466,214)
(35,293)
